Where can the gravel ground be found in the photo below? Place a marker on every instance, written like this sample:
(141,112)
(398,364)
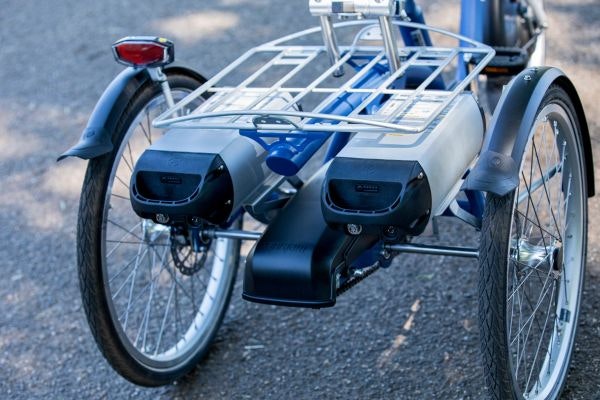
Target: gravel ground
(56,64)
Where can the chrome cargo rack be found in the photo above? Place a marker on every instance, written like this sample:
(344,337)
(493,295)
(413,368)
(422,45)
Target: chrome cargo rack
(404,111)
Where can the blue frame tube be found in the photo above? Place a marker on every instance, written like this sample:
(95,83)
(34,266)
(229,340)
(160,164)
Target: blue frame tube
(414,12)
(284,159)
(471,26)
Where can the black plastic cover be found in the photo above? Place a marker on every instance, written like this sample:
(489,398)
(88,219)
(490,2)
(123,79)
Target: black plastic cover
(296,260)
(509,130)
(181,185)
(377,193)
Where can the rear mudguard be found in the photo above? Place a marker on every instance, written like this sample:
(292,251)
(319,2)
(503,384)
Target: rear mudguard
(96,137)
(497,170)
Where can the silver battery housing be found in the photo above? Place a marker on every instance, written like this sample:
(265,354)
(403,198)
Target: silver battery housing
(203,173)
(445,150)
(243,158)
(437,158)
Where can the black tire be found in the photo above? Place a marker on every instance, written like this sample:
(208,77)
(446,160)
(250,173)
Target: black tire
(534,243)
(148,349)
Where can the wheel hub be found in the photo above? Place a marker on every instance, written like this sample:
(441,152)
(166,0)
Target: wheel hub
(531,255)
(152,231)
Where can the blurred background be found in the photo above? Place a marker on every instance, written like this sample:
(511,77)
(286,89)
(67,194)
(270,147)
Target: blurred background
(56,61)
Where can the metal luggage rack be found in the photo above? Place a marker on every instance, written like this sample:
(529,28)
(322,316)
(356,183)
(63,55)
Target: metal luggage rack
(275,106)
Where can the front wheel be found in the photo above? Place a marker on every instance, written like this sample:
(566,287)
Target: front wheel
(532,261)
(153,304)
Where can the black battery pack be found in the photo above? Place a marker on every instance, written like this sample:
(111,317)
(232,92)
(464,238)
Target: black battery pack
(376,194)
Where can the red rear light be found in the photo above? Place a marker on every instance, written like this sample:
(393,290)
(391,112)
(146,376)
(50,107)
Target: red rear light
(144,51)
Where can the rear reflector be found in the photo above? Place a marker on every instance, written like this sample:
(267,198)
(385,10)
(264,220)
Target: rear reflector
(144,51)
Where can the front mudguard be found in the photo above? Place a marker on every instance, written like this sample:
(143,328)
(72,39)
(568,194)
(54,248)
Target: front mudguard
(497,170)
(96,137)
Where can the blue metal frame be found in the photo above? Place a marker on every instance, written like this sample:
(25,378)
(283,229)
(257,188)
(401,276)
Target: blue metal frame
(471,26)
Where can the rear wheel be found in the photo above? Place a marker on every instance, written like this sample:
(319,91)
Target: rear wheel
(152,303)
(532,261)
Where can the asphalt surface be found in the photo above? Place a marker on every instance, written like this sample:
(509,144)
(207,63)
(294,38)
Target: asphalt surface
(56,61)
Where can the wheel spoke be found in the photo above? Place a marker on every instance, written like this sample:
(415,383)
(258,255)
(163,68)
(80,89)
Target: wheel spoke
(119,242)
(535,186)
(539,223)
(162,268)
(126,280)
(532,270)
(149,244)
(127,265)
(164,320)
(129,231)
(546,193)
(122,182)
(533,223)
(537,350)
(147,133)
(120,197)
(529,323)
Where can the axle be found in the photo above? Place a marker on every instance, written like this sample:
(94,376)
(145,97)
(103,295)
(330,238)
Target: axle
(400,248)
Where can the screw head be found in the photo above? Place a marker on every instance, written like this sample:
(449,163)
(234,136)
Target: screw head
(354,229)
(162,218)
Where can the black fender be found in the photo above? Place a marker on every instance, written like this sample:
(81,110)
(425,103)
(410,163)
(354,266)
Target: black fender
(96,137)
(497,170)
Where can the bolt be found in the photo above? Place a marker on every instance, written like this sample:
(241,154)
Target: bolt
(527,78)
(228,203)
(390,230)
(196,220)
(354,229)
(162,218)
(420,176)
(385,254)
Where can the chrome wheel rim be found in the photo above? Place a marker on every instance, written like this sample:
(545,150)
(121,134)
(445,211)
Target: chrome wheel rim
(546,256)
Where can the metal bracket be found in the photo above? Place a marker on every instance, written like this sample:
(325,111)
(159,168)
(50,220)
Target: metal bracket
(464,215)
(157,75)
(268,120)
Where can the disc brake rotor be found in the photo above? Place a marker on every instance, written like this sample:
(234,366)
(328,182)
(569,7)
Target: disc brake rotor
(186,258)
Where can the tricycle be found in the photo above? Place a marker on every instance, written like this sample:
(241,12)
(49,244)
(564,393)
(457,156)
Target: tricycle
(345,141)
